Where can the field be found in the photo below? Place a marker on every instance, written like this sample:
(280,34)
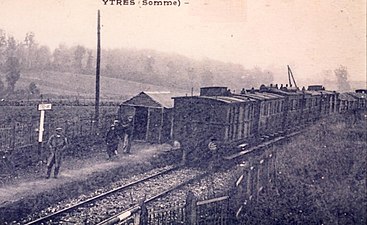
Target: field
(81,85)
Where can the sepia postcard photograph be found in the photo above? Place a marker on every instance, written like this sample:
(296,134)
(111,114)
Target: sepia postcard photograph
(190,112)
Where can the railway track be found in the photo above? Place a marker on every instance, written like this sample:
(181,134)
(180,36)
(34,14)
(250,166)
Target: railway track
(106,205)
(128,213)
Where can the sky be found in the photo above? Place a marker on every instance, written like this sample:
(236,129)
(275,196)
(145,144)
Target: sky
(310,35)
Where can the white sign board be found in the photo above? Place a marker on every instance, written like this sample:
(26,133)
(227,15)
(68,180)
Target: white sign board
(44,106)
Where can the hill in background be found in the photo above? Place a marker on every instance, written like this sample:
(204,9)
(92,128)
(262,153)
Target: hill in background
(73,84)
(71,71)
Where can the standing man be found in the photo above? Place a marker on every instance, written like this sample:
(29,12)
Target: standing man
(120,133)
(213,153)
(112,141)
(127,125)
(57,143)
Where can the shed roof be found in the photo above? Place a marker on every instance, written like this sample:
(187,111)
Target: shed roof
(161,99)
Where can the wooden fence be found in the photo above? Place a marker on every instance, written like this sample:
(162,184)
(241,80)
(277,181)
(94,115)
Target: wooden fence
(24,132)
(214,211)
(71,101)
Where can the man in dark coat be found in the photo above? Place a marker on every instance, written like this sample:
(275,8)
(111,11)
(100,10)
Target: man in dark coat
(112,141)
(119,129)
(57,143)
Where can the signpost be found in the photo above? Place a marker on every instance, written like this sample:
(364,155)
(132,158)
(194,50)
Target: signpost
(42,107)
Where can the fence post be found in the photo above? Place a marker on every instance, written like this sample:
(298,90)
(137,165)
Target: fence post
(143,217)
(66,125)
(13,134)
(190,208)
(94,128)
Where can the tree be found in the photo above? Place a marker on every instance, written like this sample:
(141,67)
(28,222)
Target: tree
(89,66)
(341,74)
(62,59)
(2,88)
(43,56)
(11,47)
(33,89)
(3,45)
(12,68)
(30,50)
(78,57)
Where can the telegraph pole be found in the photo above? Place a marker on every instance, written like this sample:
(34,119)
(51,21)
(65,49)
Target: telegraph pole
(96,111)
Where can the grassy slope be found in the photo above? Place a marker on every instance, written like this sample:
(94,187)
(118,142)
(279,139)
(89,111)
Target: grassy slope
(328,166)
(321,177)
(58,83)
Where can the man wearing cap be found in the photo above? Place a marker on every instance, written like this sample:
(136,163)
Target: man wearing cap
(57,143)
(112,141)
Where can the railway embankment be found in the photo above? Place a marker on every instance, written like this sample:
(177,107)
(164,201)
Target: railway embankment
(321,176)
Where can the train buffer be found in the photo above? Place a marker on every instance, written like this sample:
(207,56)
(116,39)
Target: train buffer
(242,146)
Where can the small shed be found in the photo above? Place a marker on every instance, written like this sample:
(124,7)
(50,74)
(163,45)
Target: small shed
(153,116)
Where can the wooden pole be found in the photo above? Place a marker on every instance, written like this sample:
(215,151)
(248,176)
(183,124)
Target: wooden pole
(190,208)
(96,113)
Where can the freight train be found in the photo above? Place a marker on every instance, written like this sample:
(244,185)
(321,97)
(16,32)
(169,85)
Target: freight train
(236,120)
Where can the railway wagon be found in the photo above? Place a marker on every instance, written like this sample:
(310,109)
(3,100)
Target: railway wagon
(311,111)
(293,105)
(360,98)
(215,114)
(328,101)
(346,103)
(271,111)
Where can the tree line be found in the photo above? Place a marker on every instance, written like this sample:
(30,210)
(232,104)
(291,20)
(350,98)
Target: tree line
(146,66)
